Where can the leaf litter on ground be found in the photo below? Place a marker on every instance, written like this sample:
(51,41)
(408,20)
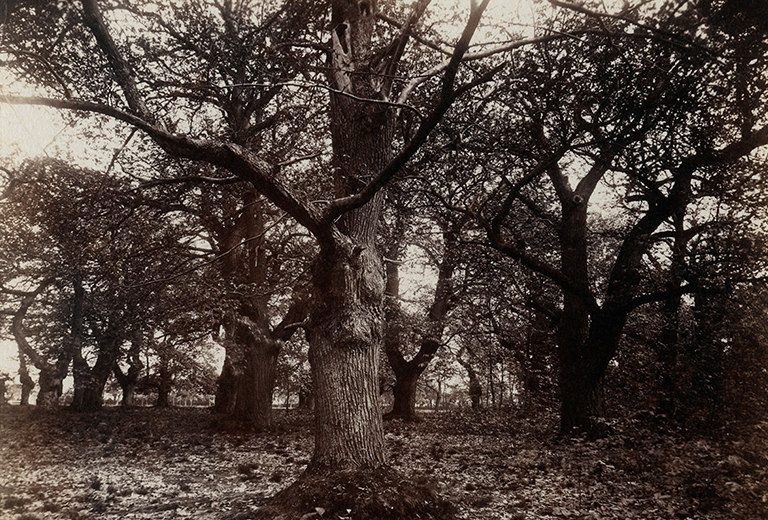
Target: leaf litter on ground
(146,463)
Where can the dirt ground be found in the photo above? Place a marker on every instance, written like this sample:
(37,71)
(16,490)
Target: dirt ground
(178,463)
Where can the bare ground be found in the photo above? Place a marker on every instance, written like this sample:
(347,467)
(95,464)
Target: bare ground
(163,464)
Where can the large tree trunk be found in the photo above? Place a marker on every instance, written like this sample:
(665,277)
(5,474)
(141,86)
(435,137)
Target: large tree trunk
(89,382)
(129,380)
(49,387)
(345,339)
(254,388)
(404,391)
(581,377)
(246,385)
(247,381)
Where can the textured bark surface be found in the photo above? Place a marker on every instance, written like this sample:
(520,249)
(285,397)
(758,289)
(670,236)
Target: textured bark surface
(255,387)
(345,340)
(89,382)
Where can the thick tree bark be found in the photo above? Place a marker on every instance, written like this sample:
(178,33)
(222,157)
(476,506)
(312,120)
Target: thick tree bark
(254,388)
(246,385)
(345,337)
(89,382)
(404,391)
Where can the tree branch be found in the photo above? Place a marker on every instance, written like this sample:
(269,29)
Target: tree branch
(244,164)
(342,205)
(124,76)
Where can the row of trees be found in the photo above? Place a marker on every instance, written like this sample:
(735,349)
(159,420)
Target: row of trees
(594,186)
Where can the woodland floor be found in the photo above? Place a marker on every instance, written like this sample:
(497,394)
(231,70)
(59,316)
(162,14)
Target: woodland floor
(162,464)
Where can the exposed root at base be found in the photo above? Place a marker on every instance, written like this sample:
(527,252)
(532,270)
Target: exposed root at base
(361,494)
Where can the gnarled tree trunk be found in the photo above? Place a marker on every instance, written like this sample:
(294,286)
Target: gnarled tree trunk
(345,335)
(129,380)
(89,382)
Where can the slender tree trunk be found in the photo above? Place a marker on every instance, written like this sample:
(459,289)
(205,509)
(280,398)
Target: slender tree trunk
(27,383)
(475,388)
(669,341)
(306,400)
(3,390)
(438,394)
(165,383)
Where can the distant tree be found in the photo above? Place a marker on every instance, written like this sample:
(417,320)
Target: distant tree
(100,255)
(4,378)
(403,328)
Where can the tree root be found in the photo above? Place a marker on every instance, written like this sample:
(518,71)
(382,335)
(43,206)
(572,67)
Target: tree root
(360,494)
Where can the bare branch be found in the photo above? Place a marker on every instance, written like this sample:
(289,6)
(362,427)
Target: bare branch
(124,76)
(342,205)
(241,162)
